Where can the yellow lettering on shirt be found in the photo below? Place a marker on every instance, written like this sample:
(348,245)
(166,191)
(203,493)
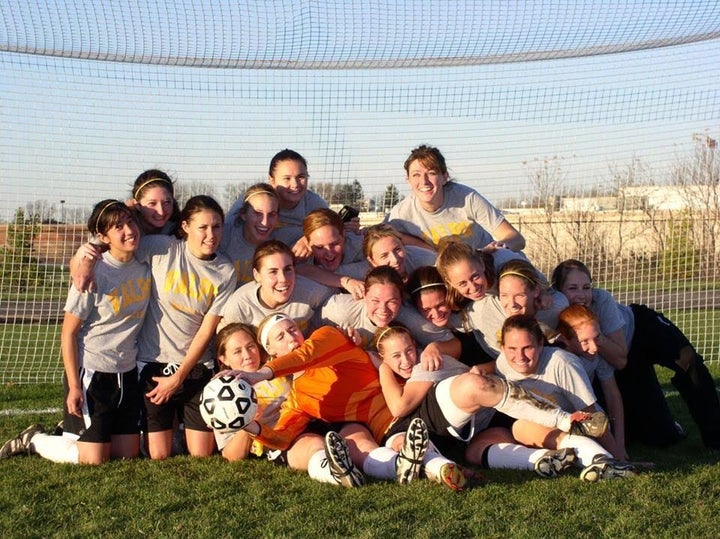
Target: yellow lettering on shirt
(190,285)
(129,293)
(243,270)
(435,233)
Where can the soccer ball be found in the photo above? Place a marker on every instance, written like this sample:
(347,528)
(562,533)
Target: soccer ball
(228,403)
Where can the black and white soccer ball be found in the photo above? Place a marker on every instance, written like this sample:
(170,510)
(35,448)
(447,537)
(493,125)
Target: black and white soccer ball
(228,403)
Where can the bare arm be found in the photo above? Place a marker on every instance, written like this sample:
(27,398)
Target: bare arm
(613,400)
(509,235)
(613,349)
(409,239)
(333,280)
(401,399)
(69,348)
(82,266)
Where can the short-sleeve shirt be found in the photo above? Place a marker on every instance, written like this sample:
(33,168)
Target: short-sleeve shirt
(464,213)
(450,367)
(342,311)
(112,315)
(485,318)
(559,378)
(245,306)
(239,251)
(613,315)
(184,289)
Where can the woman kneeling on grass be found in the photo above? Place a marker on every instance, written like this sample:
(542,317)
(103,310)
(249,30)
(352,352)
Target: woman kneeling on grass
(99,350)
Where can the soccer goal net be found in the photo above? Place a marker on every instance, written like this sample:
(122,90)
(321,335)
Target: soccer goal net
(592,125)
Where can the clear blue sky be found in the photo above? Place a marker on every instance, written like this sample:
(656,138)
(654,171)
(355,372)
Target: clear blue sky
(81,128)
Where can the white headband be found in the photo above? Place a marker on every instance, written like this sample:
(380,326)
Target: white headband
(271,322)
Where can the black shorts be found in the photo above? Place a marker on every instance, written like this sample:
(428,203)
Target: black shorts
(183,405)
(112,406)
(431,413)
(656,339)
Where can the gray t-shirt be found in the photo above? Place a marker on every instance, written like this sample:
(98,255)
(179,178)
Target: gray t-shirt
(613,315)
(450,367)
(245,306)
(342,311)
(184,289)
(239,251)
(112,315)
(464,213)
(559,378)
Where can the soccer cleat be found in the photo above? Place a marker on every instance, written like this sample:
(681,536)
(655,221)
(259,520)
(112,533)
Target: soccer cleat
(341,466)
(59,428)
(554,462)
(605,467)
(410,459)
(452,476)
(595,426)
(21,443)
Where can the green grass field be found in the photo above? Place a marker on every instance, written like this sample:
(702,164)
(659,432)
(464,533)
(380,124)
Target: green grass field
(185,497)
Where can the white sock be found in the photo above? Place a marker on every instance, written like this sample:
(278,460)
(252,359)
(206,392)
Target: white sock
(585,448)
(433,461)
(380,463)
(59,449)
(519,403)
(319,469)
(513,456)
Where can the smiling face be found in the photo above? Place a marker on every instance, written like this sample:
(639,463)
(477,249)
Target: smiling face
(577,288)
(290,180)
(203,231)
(382,302)
(241,352)
(467,276)
(399,353)
(283,338)
(156,207)
(260,217)
(517,296)
(432,304)
(522,351)
(327,245)
(123,237)
(388,251)
(427,184)
(277,279)
(585,339)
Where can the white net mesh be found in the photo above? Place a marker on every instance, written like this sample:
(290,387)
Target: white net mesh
(592,126)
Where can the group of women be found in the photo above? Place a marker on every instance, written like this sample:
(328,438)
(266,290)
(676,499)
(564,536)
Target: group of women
(371,350)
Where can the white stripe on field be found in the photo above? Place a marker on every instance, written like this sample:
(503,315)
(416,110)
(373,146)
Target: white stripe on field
(17,411)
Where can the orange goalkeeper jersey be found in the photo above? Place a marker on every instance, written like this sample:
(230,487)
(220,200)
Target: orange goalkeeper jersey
(338,383)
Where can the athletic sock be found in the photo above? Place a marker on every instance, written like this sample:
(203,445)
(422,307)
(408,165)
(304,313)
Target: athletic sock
(319,469)
(380,463)
(433,461)
(585,448)
(513,456)
(59,449)
(521,404)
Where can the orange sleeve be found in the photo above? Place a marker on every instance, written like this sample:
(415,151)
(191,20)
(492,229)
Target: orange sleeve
(326,346)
